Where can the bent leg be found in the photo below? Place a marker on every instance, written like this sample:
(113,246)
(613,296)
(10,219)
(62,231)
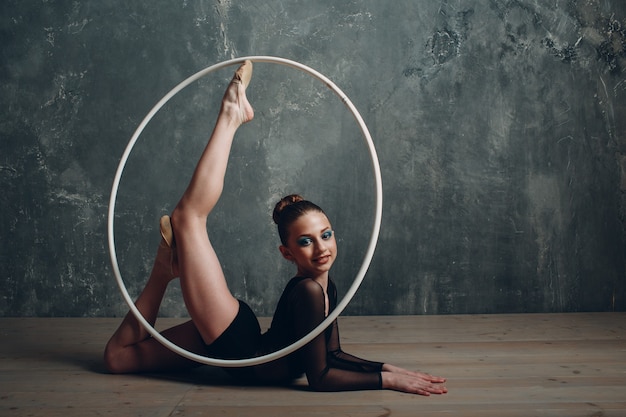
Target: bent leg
(149,355)
(210,303)
(132,349)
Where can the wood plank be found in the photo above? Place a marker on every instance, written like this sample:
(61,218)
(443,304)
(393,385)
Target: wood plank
(501,365)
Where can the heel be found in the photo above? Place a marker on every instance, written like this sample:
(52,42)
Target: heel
(167,241)
(166,231)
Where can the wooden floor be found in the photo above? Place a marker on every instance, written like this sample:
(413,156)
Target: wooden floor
(496,365)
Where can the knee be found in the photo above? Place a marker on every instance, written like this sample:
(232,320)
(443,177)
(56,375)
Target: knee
(184,219)
(114,360)
(178,216)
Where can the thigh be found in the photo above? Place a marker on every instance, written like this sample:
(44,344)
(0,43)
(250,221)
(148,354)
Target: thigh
(207,296)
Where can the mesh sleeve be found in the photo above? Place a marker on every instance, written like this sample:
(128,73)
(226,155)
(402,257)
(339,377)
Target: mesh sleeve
(334,370)
(339,359)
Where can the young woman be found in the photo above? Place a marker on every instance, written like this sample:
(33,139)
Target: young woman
(224,327)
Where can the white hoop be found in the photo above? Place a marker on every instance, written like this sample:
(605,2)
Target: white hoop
(364,266)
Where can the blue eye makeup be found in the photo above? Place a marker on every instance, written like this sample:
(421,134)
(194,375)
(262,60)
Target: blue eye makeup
(307,240)
(304,241)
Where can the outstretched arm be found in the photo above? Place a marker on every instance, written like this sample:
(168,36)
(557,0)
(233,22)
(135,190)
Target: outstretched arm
(307,304)
(328,368)
(392,377)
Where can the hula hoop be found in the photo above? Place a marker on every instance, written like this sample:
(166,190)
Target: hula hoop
(368,255)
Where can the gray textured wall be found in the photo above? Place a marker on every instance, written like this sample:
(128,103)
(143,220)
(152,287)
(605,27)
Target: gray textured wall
(499,125)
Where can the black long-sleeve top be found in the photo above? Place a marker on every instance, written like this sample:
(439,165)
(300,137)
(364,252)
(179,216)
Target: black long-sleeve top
(300,309)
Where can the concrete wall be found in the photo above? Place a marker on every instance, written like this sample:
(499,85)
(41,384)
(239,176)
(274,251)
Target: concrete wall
(500,127)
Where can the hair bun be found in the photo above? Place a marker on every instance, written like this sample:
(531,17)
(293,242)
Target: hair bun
(283,203)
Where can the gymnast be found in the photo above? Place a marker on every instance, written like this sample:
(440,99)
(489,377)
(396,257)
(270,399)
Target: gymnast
(223,327)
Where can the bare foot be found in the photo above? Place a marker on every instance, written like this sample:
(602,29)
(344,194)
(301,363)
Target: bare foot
(235,103)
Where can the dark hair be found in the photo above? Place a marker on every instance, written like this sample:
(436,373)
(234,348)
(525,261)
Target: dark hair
(288,210)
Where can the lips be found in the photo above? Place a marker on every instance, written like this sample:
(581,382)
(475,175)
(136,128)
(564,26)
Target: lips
(322,259)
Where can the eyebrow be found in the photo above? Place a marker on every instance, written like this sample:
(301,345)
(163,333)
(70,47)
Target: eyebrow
(326,229)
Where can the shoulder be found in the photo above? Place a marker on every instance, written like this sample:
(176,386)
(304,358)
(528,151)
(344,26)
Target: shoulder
(305,291)
(308,286)
(307,297)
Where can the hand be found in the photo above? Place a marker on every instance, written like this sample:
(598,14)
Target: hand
(400,379)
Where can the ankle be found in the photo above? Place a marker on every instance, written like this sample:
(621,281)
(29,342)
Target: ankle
(232,115)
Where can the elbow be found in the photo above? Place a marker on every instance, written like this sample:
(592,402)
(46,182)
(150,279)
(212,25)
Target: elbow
(319,382)
(319,387)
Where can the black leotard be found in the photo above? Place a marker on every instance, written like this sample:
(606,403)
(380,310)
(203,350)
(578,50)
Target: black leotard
(300,309)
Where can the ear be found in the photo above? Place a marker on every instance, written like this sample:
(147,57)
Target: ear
(284,250)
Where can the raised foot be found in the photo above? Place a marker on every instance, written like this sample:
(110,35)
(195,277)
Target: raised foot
(235,103)
(243,74)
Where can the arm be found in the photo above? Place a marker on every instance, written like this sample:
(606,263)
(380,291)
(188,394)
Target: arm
(324,374)
(392,377)
(308,310)
(340,359)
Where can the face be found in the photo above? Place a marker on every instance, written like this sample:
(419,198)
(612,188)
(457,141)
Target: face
(311,245)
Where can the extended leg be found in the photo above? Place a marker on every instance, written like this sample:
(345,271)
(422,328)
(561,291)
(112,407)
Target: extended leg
(207,297)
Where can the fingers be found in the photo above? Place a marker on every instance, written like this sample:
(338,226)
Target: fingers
(436,379)
(413,382)
(423,386)
(428,391)
(427,377)
(438,389)
(433,389)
